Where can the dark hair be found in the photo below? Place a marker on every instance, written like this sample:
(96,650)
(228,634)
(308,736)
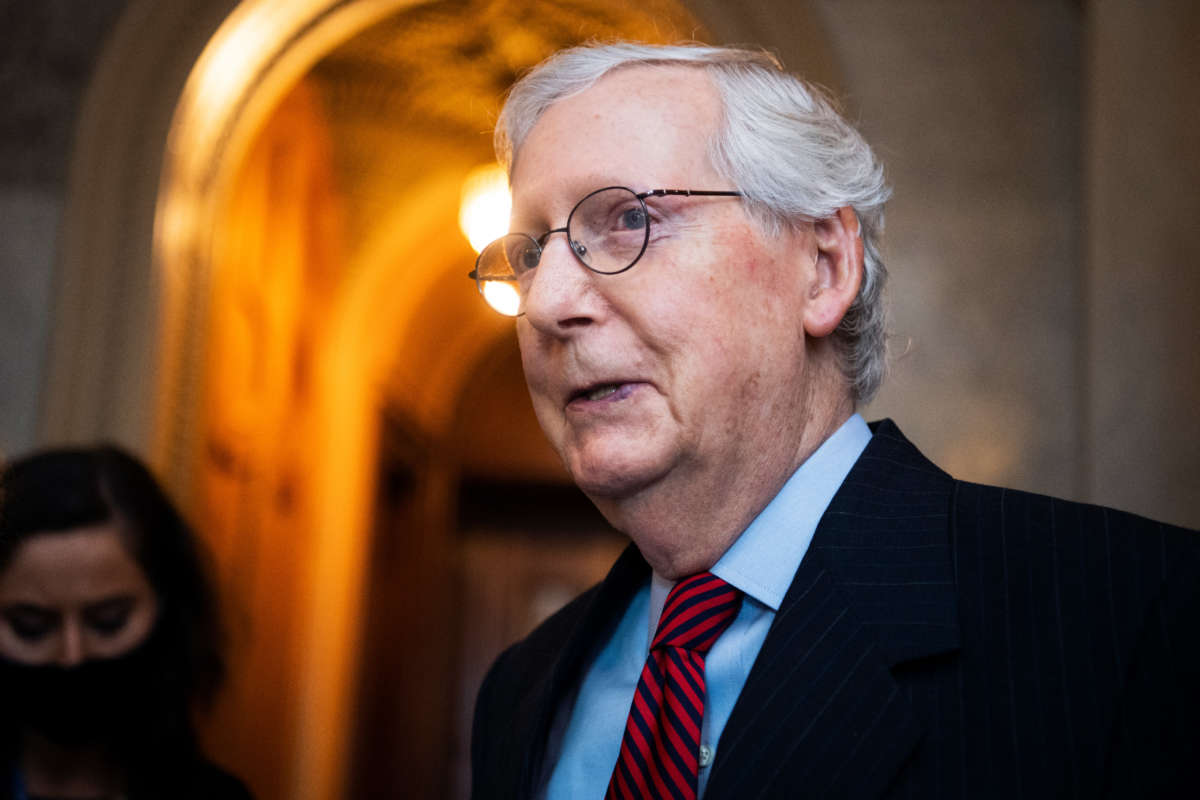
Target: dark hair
(63,489)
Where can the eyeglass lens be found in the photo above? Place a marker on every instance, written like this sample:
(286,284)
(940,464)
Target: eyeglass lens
(607,231)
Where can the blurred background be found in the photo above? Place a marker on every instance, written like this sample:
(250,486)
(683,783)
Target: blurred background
(230,240)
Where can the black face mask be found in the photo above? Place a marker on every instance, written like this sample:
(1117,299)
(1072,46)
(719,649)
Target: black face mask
(100,701)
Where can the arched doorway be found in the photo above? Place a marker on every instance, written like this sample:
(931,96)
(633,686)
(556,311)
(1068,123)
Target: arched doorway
(314,370)
(321,326)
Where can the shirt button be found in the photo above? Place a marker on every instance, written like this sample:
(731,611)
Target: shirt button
(706,755)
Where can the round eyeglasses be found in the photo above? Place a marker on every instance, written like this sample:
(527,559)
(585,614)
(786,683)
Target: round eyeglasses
(607,230)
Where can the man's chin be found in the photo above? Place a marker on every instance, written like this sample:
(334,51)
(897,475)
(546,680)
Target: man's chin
(612,479)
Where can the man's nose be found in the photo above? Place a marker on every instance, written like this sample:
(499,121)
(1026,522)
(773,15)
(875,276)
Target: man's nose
(71,652)
(562,293)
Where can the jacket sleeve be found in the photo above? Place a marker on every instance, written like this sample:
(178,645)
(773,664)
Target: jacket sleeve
(1155,749)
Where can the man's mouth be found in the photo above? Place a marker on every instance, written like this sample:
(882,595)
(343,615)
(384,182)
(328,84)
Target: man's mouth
(603,391)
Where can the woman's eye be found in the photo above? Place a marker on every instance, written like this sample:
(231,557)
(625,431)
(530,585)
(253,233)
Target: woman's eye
(109,617)
(30,623)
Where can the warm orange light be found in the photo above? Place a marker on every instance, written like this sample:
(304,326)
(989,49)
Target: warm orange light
(486,205)
(503,297)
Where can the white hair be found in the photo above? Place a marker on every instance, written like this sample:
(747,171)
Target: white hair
(782,143)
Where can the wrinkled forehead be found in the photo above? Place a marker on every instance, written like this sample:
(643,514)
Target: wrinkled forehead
(638,125)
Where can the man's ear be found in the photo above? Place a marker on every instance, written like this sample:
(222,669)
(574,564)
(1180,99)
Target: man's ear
(837,273)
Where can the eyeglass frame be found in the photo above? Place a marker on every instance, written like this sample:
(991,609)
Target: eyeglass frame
(540,241)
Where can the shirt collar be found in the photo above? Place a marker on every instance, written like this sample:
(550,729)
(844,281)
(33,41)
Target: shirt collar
(764,559)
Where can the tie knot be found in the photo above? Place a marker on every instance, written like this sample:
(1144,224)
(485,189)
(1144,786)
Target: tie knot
(697,610)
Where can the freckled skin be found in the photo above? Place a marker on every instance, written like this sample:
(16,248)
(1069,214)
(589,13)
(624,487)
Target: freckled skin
(730,393)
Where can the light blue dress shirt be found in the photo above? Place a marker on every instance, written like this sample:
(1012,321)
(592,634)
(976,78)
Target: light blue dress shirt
(586,737)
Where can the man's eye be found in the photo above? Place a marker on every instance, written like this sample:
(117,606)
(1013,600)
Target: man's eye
(529,258)
(30,623)
(522,254)
(109,617)
(632,219)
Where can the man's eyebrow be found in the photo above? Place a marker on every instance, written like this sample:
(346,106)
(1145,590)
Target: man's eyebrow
(577,188)
(517,218)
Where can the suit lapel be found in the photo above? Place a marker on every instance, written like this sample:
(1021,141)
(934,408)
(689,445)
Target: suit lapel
(601,610)
(821,714)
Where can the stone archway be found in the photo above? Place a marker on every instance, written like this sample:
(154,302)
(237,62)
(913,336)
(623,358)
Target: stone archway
(179,102)
(115,338)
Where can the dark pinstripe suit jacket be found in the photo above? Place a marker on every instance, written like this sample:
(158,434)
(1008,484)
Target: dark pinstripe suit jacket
(940,639)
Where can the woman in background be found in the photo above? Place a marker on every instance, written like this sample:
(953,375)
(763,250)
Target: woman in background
(109,635)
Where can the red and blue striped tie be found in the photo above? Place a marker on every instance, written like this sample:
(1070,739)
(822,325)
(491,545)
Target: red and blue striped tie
(660,751)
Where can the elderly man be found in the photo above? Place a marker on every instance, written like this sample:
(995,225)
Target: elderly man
(809,607)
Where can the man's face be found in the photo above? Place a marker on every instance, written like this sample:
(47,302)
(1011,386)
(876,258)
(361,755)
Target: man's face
(691,366)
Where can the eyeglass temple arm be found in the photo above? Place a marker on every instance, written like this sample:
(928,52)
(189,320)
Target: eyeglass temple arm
(474,275)
(690,193)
